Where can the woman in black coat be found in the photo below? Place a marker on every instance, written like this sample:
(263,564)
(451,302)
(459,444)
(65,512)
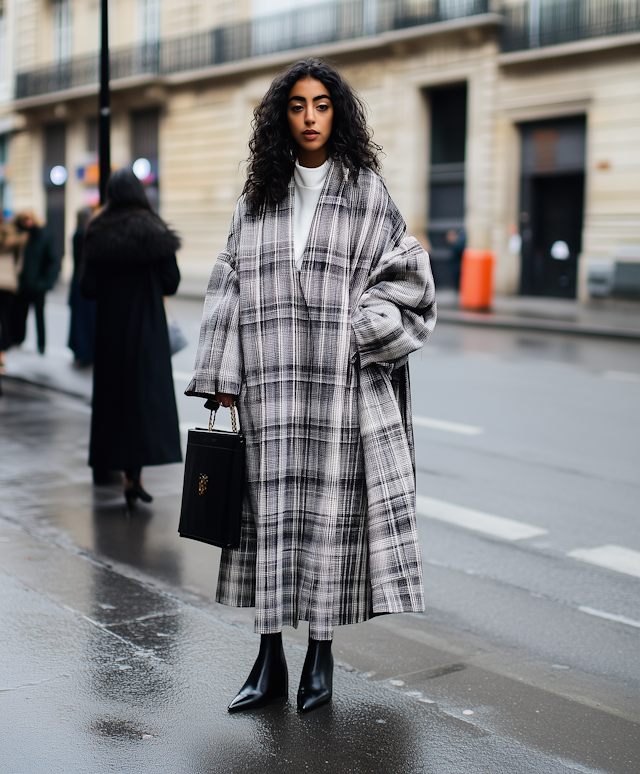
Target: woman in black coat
(129,265)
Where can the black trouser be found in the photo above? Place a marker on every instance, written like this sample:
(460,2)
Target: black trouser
(21,305)
(6,319)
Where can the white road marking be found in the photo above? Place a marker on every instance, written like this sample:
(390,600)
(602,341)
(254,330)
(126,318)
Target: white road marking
(184,376)
(609,616)
(612,557)
(622,376)
(497,526)
(450,427)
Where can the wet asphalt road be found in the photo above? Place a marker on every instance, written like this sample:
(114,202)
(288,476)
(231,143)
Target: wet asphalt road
(541,646)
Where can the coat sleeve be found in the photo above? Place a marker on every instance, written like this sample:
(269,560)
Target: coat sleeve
(396,313)
(169,276)
(218,366)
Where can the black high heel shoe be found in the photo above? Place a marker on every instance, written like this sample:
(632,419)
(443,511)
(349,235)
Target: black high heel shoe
(269,679)
(136,492)
(316,682)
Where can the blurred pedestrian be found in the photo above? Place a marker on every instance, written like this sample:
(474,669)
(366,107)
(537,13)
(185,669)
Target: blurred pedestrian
(311,313)
(11,244)
(129,265)
(82,327)
(39,272)
(457,241)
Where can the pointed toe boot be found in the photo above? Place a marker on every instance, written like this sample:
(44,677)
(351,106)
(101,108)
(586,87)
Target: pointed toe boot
(316,682)
(268,681)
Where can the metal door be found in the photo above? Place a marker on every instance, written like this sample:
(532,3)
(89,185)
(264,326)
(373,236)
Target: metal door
(551,206)
(557,234)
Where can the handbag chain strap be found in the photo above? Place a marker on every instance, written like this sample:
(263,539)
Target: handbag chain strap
(214,414)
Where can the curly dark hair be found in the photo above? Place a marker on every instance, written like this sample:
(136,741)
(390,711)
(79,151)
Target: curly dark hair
(273,151)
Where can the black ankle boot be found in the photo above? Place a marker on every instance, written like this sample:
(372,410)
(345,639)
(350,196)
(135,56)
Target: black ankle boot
(316,683)
(133,488)
(135,492)
(269,679)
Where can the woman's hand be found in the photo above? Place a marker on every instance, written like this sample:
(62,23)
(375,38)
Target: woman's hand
(225,399)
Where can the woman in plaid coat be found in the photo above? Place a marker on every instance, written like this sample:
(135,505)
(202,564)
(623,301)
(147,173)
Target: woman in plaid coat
(311,313)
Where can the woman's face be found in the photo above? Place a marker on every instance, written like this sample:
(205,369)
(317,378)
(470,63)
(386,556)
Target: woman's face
(310,116)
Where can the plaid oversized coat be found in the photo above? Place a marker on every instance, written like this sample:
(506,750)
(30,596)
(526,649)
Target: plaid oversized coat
(318,360)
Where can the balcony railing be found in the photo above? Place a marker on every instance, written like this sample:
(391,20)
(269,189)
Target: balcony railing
(308,26)
(538,23)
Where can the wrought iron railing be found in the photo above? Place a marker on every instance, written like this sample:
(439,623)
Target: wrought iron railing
(537,23)
(314,25)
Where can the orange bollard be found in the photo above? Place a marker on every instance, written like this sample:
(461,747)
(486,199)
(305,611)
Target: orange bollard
(476,279)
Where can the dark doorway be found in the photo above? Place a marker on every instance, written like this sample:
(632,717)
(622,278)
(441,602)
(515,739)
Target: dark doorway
(556,221)
(55,139)
(55,217)
(446,178)
(552,206)
(144,145)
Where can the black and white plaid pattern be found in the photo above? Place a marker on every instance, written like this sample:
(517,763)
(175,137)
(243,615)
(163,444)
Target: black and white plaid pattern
(318,359)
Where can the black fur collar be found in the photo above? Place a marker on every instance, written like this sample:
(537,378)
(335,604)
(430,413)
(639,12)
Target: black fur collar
(128,236)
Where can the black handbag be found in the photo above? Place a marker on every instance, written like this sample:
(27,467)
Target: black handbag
(213,484)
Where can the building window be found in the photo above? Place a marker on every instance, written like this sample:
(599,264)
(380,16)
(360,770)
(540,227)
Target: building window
(61,30)
(149,24)
(455,9)
(446,181)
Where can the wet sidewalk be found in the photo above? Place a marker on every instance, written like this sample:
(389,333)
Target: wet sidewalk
(116,658)
(101,673)
(613,318)
(105,671)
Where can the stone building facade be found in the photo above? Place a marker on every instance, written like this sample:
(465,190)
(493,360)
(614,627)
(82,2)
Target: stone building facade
(518,120)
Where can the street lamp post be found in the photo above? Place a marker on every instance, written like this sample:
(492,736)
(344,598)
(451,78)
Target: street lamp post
(104,114)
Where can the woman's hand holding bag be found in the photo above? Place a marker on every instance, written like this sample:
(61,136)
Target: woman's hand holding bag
(224,399)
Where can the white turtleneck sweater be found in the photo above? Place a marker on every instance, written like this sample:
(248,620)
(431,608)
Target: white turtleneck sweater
(308,185)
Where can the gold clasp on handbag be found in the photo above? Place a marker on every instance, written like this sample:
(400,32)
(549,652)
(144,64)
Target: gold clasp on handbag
(203,481)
